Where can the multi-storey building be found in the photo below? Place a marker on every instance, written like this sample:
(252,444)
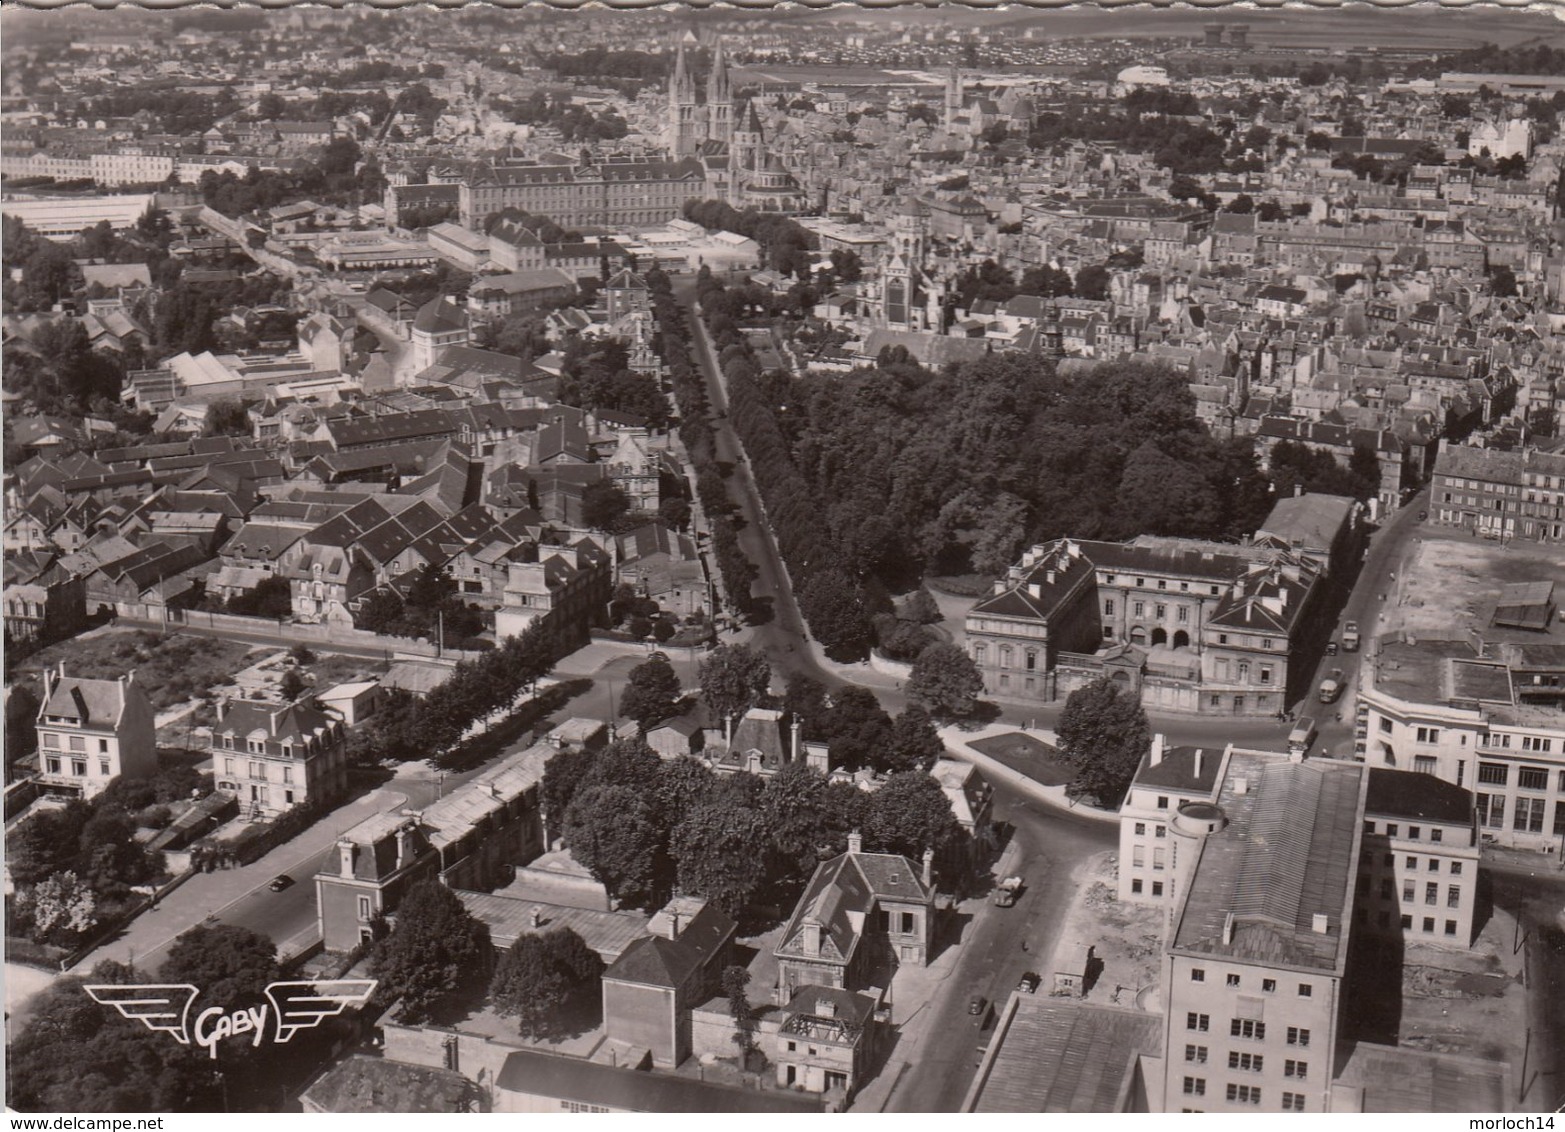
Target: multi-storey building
(1186,625)
(861,915)
(1258,947)
(275,757)
(1502,493)
(1488,721)
(467,839)
(1418,871)
(612,194)
(92,731)
(1170,784)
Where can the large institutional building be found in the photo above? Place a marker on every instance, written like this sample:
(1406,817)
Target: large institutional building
(1269,869)
(717,150)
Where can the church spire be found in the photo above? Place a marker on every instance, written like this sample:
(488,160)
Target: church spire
(719,99)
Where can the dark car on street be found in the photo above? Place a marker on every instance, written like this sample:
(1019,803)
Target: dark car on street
(977,1004)
(280,882)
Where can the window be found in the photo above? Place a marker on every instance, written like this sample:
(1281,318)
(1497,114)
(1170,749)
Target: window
(1431,893)
(1296,1069)
(1391,829)
(1140,609)
(1434,865)
(1162,611)
(1162,584)
(1198,1022)
(1196,1054)
(1249,1062)
(1233,980)
(1412,862)
(1266,674)
(1453,896)
(1293,1102)
(1195,1086)
(51,741)
(1138,856)
(1529,815)
(78,743)
(1533,743)
(103,746)
(1162,802)
(1157,888)
(1247,1028)
(1141,829)
(1428,734)
(1268,985)
(1407,892)
(1135,886)
(1424,764)
(79,768)
(1198,974)
(103,767)
(257,770)
(1386,725)
(287,774)
(1429,925)
(1407,923)
(1414,832)
(1158,860)
(1492,774)
(1450,927)
(1305,990)
(1244,1094)
(1160,832)
(1437,835)
(1532,778)
(1299,1036)
(52,763)
(1183,615)
(364,907)
(1108,608)
(1490,809)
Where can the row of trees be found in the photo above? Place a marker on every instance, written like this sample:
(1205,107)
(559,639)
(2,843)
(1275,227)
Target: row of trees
(695,431)
(787,243)
(643,825)
(409,728)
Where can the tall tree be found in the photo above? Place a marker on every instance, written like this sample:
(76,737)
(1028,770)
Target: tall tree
(856,727)
(913,744)
(834,606)
(909,814)
(720,848)
(1103,734)
(530,987)
(232,965)
(613,831)
(946,681)
(652,692)
(734,678)
(436,948)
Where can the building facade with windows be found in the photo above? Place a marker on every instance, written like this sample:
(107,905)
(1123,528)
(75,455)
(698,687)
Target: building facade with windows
(1258,946)
(1503,493)
(1169,783)
(1418,872)
(275,757)
(1481,720)
(1186,625)
(92,731)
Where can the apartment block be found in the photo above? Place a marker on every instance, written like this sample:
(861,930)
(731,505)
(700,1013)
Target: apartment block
(1503,493)
(92,731)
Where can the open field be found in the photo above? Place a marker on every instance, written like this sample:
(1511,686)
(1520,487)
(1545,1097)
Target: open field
(1449,581)
(169,669)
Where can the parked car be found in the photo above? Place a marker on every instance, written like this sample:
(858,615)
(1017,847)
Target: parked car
(1331,648)
(1422,515)
(1331,687)
(1350,636)
(280,882)
(1030,982)
(977,1004)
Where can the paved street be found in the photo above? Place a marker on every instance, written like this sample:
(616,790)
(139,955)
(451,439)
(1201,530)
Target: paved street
(1049,846)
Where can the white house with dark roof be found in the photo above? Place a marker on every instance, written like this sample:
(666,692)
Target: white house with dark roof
(273,758)
(92,731)
(861,916)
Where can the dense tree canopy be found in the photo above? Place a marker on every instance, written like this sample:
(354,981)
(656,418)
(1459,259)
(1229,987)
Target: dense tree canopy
(946,681)
(436,948)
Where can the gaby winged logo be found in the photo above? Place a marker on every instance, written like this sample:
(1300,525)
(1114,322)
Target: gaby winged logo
(295,1006)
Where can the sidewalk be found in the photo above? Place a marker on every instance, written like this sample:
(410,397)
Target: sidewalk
(957,744)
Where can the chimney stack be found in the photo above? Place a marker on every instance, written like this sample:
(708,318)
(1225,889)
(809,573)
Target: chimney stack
(1158,743)
(673,925)
(728,730)
(1200,763)
(795,755)
(929,867)
(1319,923)
(345,849)
(1228,929)
(855,842)
(537,919)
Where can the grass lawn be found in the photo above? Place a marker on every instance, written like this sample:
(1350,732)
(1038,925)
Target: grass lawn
(169,669)
(1032,757)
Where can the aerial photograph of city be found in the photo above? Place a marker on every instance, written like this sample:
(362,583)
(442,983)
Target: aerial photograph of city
(781,560)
